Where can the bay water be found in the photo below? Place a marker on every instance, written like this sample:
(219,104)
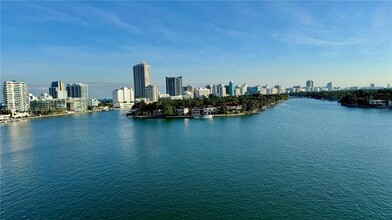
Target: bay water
(303,159)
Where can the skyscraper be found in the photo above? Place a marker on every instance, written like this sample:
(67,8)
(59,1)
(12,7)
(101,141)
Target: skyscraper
(15,96)
(174,85)
(222,90)
(123,94)
(77,90)
(141,78)
(329,86)
(309,85)
(57,90)
(189,88)
(231,88)
(151,92)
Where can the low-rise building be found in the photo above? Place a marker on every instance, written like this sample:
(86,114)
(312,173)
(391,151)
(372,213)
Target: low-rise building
(182,111)
(195,111)
(77,104)
(377,102)
(209,110)
(93,102)
(42,106)
(127,105)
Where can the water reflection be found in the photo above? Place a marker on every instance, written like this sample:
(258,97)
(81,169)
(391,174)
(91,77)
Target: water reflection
(15,137)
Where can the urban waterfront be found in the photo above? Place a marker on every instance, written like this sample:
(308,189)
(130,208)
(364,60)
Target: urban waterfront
(304,158)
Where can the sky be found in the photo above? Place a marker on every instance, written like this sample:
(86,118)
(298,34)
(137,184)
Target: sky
(265,42)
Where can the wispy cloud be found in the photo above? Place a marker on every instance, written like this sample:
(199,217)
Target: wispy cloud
(303,39)
(50,14)
(106,16)
(230,32)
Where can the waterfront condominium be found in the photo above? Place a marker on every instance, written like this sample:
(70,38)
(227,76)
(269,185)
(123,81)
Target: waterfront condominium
(15,96)
(57,90)
(174,85)
(123,94)
(77,90)
(141,78)
(231,88)
(309,85)
(151,92)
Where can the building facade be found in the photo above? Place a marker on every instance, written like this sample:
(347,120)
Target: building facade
(202,92)
(189,88)
(141,78)
(57,90)
(151,92)
(15,96)
(231,88)
(329,86)
(222,90)
(77,90)
(174,85)
(309,85)
(123,94)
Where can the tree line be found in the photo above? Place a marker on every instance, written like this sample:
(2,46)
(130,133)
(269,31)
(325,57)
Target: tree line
(251,103)
(360,97)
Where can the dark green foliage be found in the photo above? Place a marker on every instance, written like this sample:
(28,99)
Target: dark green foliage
(248,103)
(360,97)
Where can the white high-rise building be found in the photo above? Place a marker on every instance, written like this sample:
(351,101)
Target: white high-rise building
(202,92)
(15,96)
(214,90)
(123,95)
(244,88)
(141,79)
(151,92)
(222,90)
(237,90)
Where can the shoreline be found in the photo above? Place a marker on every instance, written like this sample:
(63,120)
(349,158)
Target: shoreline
(264,108)
(45,116)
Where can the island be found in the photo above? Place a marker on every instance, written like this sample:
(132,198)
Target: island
(206,107)
(370,98)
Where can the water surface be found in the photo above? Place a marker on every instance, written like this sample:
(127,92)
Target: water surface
(302,159)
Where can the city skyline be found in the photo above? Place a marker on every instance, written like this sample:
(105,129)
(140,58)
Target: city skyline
(284,43)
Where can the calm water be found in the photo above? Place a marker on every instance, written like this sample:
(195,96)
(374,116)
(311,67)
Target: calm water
(302,159)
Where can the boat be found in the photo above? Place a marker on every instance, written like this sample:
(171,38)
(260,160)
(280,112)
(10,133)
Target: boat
(203,117)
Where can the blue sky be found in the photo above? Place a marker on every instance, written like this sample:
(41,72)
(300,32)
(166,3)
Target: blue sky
(96,42)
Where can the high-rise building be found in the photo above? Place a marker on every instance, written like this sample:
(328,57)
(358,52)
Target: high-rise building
(253,90)
(231,88)
(57,90)
(237,90)
(189,88)
(222,90)
(279,89)
(296,88)
(15,96)
(309,85)
(123,94)
(151,92)
(77,90)
(244,88)
(214,90)
(141,78)
(202,92)
(174,85)
(329,86)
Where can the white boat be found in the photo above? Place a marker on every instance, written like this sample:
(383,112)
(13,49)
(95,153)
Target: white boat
(203,117)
